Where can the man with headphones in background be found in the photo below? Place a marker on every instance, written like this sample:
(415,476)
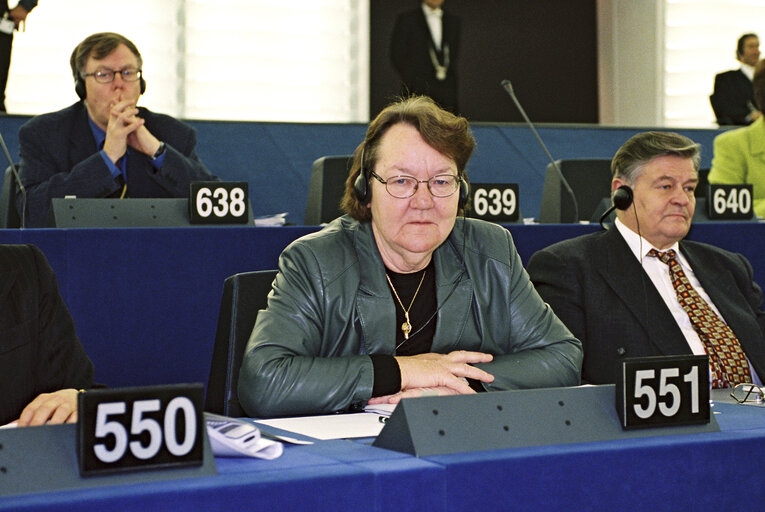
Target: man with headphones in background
(401,298)
(104,145)
(638,289)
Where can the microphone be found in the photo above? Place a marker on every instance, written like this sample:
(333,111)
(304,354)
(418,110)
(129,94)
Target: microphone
(18,182)
(621,199)
(509,89)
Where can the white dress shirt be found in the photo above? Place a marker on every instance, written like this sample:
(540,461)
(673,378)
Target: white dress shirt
(433,17)
(748,70)
(658,271)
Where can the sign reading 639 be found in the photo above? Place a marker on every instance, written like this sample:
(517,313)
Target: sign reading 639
(494,202)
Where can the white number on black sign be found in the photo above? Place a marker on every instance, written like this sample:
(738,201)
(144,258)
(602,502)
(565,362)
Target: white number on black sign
(118,436)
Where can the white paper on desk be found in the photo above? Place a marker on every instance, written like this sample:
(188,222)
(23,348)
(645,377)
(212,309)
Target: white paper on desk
(331,426)
(277,219)
(381,409)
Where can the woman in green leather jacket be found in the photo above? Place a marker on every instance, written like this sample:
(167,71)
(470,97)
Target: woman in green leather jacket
(399,298)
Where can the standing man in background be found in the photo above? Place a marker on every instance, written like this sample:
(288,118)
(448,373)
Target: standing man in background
(15,16)
(424,50)
(733,97)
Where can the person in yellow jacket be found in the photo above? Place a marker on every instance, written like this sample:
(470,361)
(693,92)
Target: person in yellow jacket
(739,155)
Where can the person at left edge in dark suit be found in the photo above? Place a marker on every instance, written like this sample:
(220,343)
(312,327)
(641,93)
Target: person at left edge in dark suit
(424,50)
(613,288)
(42,363)
(17,15)
(104,145)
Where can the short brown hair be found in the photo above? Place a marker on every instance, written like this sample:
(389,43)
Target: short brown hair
(443,131)
(98,46)
(640,149)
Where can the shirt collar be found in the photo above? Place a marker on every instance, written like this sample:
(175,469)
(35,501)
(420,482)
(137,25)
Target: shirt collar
(432,11)
(638,244)
(747,70)
(98,133)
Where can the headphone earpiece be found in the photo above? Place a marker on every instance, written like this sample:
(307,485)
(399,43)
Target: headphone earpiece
(464,194)
(361,185)
(622,197)
(79,87)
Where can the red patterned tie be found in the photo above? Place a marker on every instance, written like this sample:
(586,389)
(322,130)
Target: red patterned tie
(726,357)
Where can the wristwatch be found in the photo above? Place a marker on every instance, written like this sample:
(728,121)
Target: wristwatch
(160,151)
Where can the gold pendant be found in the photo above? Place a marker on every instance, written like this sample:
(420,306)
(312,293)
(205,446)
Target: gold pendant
(406,327)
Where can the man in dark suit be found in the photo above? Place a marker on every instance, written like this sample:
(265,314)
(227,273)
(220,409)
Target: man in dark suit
(424,50)
(42,363)
(103,145)
(733,96)
(619,300)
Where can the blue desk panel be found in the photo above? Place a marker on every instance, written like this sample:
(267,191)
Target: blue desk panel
(276,158)
(694,472)
(145,301)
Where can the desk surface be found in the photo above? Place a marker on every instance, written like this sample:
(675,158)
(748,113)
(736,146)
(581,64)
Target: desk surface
(667,473)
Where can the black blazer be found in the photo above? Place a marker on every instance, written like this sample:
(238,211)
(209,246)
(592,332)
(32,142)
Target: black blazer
(409,50)
(598,289)
(733,98)
(39,349)
(59,157)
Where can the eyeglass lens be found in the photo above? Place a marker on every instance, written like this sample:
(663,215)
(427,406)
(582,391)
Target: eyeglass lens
(747,393)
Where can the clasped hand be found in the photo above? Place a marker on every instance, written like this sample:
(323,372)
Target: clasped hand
(125,129)
(438,374)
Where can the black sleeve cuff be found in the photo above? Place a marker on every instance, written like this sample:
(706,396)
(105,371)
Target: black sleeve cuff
(387,375)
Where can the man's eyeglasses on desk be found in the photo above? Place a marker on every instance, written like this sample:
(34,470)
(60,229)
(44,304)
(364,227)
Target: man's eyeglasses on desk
(748,394)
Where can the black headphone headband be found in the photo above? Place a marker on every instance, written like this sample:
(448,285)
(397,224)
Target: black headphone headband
(361,185)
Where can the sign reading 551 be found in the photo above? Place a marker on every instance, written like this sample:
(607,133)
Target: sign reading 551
(494,202)
(663,390)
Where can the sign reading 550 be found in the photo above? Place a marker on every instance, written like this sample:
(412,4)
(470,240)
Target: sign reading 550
(495,202)
(131,428)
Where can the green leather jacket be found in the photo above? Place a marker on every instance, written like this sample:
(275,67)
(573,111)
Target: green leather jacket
(331,307)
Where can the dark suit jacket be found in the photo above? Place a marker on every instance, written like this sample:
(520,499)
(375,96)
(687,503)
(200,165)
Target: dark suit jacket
(39,350)
(598,289)
(410,42)
(733,98)
(59,157)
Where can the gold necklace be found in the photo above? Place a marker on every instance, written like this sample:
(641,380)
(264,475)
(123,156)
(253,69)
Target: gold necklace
(406,327)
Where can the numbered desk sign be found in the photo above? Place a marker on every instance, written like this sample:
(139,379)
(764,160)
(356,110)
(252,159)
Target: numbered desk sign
(140,428)
(729,202)
(662,391)
(494,202)
(218,202)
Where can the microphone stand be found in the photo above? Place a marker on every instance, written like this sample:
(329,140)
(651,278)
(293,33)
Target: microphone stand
(509,89)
